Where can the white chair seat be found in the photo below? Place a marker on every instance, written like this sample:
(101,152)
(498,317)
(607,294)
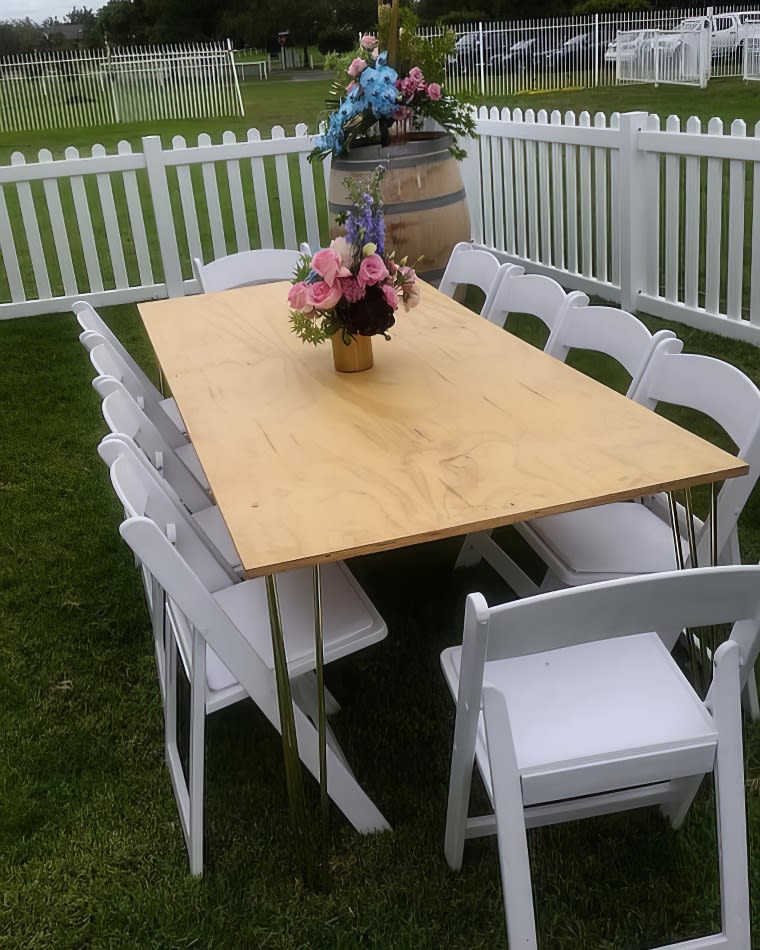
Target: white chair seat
(170,408)
(189,456)
(349,621)
(564,748)
(614,540)
(211,522)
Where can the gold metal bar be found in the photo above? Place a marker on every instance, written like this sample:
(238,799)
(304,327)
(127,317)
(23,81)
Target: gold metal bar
(319,643)
(673,510)
(693,557)
(293,771)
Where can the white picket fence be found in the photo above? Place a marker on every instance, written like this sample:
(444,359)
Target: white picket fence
(74,88)
(664,221)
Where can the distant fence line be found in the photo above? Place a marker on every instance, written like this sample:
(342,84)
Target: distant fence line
(660,221)
(500,58)
(74,88)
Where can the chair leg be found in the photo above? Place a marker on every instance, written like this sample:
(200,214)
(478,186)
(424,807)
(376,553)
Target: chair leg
(468,556)
(750,700)
(729,799)
(683,793)
(514,861)
(196,758)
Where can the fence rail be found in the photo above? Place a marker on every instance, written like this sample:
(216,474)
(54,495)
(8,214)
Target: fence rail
(662,220)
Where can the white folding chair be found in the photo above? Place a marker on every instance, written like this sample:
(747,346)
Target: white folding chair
(90,320)
(179,465)
(570,708)
(611,331)
(108,362)
(208,517)
(245,268)
(622,539)
(473,267)
(540,296)
(218,628)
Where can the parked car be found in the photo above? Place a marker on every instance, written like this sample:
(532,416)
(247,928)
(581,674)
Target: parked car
(467,49)
(525,54)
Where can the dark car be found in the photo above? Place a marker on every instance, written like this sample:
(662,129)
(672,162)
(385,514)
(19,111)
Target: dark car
(468,55)
(582,50)
(525,54)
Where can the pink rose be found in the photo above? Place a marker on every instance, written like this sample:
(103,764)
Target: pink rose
(357,67)
(298,297)
(434,91)
(402,113)
(322,295)
(368,42)
(372,270)
(391,298)
(327,264)
(350,86)
(415,76)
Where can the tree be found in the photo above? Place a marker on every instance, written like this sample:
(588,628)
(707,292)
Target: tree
(82,16)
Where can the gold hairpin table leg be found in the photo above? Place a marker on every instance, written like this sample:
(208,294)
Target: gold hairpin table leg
(700,652)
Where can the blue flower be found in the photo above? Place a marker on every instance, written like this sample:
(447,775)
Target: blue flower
(379,88)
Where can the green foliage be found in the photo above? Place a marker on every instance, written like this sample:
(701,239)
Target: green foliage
(458,17)
(611,6)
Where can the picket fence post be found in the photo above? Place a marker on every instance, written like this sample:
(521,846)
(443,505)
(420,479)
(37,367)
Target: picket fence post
(162,212)
(635,210)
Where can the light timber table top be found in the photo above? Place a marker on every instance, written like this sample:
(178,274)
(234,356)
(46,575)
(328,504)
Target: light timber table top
(458,427)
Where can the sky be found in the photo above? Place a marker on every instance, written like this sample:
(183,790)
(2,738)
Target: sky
(39,10)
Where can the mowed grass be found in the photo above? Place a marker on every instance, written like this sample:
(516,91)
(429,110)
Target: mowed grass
(91,853)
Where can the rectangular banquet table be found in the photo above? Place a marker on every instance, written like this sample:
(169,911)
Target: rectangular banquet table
(458,427)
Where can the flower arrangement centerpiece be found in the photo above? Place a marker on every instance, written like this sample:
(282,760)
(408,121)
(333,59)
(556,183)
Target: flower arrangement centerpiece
(378,94)
(351,290)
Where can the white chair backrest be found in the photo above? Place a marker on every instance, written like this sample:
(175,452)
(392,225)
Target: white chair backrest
(725,394)
(123,415)
(142,493)
(665,601)
(609,330)
(109,362)
(89,319)
(534,294)
(470,266)
(246,267)
(194,600)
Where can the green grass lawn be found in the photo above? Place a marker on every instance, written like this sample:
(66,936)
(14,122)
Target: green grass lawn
(91,852)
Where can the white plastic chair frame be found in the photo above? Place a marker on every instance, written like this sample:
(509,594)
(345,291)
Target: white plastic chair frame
(555,741)
(107,361)
(214,618)
(534,294)
(90,320)
(245,268)
(471,266)
(609,330)
(180,465)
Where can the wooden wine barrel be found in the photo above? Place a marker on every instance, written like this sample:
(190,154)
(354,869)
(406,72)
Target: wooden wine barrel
(425,205)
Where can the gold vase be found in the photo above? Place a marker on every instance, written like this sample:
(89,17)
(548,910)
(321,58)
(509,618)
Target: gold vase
(354,356)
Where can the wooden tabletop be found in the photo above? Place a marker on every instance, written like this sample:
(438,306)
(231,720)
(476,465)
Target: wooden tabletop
(459,426)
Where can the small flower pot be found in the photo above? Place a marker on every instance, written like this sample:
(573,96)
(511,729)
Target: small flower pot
(354,356)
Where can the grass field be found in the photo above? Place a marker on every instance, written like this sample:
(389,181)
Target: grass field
(91,853)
